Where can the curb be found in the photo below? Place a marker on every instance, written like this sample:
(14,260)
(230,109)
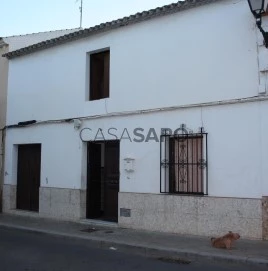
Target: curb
(152,252)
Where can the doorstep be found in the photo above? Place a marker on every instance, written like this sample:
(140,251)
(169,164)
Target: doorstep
(102,223)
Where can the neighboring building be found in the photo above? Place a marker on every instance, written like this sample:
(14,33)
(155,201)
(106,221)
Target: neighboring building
(3,101)
(84,111)
(8,44)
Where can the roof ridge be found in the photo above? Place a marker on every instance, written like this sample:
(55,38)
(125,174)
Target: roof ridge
(111,25)
(42,32)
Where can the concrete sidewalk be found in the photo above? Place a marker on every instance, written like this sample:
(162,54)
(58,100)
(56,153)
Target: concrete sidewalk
(152,244)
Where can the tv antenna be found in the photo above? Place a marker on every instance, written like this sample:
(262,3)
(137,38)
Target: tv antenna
(81,11)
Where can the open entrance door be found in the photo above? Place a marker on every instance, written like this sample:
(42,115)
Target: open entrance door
(103,180)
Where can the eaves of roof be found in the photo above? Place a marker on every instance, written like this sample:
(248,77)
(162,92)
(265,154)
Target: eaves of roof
(2,43)
(104,27)
(42,32)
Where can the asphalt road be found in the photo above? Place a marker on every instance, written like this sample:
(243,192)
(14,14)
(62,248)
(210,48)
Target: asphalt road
(27,251)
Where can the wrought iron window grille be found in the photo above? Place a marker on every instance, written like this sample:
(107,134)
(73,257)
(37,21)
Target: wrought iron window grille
(184,162)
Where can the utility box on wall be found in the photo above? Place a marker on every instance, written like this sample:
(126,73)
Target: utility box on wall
(129,164)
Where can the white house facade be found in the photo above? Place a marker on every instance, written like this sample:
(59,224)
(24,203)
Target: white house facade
(8,44)
(156,121)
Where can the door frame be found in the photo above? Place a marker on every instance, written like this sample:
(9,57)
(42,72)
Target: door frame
(33,185)
(103,158)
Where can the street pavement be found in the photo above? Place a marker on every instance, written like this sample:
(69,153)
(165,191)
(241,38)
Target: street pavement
(138,242)
(22,250)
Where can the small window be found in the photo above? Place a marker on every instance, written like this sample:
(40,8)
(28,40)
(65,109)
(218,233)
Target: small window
(99,75)
(184,164)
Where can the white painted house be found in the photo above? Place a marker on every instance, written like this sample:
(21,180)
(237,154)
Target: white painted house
(8,44)
(86,112)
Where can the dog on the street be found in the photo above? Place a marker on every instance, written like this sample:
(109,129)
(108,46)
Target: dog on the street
(226,241)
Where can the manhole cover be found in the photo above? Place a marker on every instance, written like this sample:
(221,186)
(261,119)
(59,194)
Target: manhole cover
(109,232)
(89,230)
(175,260)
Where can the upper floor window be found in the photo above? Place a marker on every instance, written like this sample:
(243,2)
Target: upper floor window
(99,75)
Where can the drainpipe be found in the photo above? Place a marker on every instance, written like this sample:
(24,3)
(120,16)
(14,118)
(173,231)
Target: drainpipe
(3,93)
(2,159)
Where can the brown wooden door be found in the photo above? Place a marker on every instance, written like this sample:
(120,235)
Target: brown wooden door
(94,181)
(111,180)
(28,177)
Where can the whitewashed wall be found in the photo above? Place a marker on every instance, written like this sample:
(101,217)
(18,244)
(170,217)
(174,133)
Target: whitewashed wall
(61,155)
(202,55)
(20,41)
(237,144)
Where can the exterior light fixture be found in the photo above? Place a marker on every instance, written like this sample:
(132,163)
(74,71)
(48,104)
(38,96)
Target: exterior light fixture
(257,8)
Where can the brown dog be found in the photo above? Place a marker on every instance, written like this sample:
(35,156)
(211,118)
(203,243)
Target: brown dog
(225,241)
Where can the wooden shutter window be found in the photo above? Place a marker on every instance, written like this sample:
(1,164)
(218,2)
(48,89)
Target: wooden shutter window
(99,75)
(106,74)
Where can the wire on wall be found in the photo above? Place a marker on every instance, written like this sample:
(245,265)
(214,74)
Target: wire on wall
(135,112)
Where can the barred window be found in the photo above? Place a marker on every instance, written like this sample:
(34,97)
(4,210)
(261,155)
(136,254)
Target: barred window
(184,164)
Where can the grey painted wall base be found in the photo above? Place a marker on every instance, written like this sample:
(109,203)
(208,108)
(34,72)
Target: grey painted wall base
(64,204)
(69,204)
(196,215)
(265,218)
(9,197)
(205,216)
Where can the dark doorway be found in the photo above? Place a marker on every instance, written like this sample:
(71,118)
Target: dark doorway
(103,180)
(28,177)
(95,180)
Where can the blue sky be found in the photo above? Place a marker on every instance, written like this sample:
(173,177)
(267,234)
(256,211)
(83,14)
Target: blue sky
(29,16)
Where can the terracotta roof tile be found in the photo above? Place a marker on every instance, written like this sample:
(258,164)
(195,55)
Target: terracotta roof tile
(132,19)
